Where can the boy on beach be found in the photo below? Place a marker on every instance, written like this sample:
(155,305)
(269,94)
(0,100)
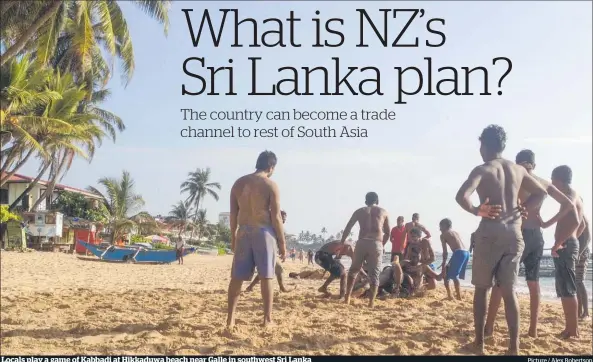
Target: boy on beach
(566,250)
(179,246)
(456,268)
(325,259)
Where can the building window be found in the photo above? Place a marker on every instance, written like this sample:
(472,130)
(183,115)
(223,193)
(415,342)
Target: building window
(3,196)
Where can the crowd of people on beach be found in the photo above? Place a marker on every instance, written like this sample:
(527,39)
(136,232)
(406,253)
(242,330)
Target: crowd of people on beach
(509,234)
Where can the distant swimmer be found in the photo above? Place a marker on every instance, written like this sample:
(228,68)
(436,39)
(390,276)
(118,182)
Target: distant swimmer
(534,246)
(257,233)
(499,242)
(566,249)
(374,231)
(278,270)
(328,258)
(455,269)
(398,239)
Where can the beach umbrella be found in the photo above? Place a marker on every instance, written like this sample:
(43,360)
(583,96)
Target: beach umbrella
(155,238)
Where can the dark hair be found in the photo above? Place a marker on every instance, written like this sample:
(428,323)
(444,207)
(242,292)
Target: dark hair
(371,198)
(415,232)
(415,216)
(265,161)
(400,218)
(282,212)
(446,223)
(525,156)
(494,138)
(563,173)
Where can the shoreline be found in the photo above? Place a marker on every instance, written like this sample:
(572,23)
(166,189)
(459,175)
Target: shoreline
(57,304)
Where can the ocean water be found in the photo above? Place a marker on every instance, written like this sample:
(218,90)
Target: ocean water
(547,285)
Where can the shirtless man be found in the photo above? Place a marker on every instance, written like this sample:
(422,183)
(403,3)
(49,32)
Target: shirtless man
(257,233)
(325,259)
(278,269)
(566,249)
(373,222)
(390,280)
(415,223)
(456,268)
(499,243)
(418,262)
(426,255)
(581,269)
(534,246)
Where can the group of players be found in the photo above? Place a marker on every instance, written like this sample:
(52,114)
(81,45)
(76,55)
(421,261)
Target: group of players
(509,233)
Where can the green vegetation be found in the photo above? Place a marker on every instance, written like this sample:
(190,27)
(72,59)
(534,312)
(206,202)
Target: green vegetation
(56,62)
(6,216)
(76,205)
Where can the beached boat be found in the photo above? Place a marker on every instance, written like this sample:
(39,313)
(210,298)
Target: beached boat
(134,255)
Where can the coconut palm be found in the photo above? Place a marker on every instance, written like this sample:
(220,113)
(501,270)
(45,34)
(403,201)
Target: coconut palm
(122,205)
(181,216)
(81,26)
(197,186)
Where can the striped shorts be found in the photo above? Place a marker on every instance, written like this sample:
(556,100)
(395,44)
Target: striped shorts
(581,268)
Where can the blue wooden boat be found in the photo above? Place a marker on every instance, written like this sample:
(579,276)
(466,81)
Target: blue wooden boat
(134,255)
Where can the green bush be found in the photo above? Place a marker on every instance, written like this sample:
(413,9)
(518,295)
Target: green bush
(161,246)
(221,251)
(137,239)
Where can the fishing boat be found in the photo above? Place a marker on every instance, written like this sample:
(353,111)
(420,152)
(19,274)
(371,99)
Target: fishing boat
(134,254)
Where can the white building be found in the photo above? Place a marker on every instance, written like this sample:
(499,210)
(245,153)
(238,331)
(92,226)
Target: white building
(225,218)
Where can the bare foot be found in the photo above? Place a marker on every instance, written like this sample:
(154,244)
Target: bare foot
(584,316)
(248,290)
(268,323)
(532,333)
(566,334)
(478,348)
(322,290)
(449,297)
(488,332)
(347,301)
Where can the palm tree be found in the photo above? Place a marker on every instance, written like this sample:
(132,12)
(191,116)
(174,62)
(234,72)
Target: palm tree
(197,186)
(323,232)
(82,25)
(122,205)
(202,224)
(180,216)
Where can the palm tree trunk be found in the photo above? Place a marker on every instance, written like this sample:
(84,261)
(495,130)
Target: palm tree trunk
(49,190)
(30,187)
(15,49)
(16,168)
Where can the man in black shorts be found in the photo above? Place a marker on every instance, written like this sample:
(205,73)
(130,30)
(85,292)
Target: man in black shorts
(325,259)
(531,229)
(581,270)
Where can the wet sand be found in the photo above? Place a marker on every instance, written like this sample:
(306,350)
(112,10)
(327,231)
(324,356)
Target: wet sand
(53,303)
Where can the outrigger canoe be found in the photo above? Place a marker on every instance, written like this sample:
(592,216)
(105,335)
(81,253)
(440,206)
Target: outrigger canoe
(134,255)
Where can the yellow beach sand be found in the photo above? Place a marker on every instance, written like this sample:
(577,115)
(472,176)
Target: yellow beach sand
(55,303)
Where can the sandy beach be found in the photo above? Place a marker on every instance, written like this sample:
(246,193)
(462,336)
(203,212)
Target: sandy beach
(54,303)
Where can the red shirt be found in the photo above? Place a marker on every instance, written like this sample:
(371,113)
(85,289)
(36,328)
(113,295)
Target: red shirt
(398,239)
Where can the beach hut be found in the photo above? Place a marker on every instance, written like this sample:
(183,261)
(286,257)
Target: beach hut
(76,229)
(45,229)
(16,237)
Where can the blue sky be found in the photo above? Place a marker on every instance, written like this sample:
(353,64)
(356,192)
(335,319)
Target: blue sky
(415,163)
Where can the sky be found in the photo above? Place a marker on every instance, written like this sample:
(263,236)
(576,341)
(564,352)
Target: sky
(415,163)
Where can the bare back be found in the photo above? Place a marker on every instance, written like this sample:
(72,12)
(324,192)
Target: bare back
(500,182)
(253,194)
(453,240)
(371,221)
(533,220)
(568,225)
